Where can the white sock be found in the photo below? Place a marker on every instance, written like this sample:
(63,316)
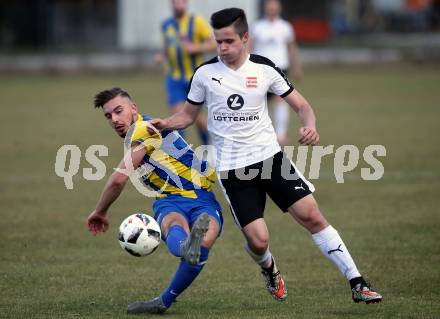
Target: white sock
(281,118)
(332,246)
(264,260)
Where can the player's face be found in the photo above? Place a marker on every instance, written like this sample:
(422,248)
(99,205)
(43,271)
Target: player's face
(179,6)
(230,46)
(121,113)
(272,8)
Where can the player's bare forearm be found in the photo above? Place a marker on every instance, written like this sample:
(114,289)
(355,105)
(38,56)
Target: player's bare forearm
(179,120)
(302,108)
(307,133)
(307,116)
(295,63)
(115,184)
(111,192)
(208,46)
(199,48)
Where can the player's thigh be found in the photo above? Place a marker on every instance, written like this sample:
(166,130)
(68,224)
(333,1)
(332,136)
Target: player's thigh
(246,198)
(286,185)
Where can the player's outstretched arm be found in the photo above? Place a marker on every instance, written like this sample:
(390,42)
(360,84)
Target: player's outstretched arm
(97,221)
(206,46)
(179,120)
(295,62)
(307,133)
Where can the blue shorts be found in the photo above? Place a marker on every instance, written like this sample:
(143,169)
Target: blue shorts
(177,90)
(189,208)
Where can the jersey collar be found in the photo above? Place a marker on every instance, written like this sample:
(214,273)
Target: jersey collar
(241,66)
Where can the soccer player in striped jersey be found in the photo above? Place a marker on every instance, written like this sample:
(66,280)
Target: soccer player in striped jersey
(250,163)
(186,37)
(185,208)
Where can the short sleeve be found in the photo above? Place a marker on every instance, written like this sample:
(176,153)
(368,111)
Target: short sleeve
(280,84)
(141,136)
(203,29)
(196,93)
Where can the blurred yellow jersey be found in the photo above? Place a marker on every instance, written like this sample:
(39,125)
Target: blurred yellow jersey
(192,28)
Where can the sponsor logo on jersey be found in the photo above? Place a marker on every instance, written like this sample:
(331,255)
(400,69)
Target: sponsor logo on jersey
(251,82)
(235,102)
(217,80)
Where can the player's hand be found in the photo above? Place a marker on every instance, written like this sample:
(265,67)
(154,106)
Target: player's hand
(159,59)
(97,223)
(308,136)
(158,124)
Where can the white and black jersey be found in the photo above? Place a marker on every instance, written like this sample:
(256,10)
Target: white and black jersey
(238,119)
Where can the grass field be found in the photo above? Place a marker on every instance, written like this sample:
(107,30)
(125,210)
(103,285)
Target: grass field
(51,267)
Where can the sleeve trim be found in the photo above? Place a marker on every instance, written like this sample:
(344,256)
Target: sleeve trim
(287,92)
(193,102)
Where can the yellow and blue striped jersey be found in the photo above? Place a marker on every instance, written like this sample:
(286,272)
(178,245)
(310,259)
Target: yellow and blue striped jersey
(194,28)
(175,169)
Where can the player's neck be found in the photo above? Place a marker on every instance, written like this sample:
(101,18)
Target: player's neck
(235,65)
(179,15)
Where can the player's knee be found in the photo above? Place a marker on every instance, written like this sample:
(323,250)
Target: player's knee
(313,219)
(259,244)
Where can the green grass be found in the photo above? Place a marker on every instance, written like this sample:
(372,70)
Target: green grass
(51,267)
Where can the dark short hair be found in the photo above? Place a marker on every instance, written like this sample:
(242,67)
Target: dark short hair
(104,96)
(230,16)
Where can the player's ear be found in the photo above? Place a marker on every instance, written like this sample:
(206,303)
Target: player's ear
(245,37)
(134,109)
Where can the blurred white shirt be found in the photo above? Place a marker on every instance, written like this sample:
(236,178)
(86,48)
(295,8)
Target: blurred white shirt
(271,39)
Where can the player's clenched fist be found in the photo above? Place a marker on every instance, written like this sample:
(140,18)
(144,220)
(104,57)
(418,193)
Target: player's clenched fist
(159,124)
(308,136)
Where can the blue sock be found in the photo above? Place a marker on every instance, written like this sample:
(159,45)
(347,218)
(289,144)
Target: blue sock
(204,137)
(175,235)
(184,276)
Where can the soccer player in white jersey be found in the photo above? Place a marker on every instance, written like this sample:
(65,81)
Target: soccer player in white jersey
(250,163)
(274,38)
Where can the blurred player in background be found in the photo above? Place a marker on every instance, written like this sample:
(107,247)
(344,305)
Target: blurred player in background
(185,207)
(274,38)
(185,39)
(250,163)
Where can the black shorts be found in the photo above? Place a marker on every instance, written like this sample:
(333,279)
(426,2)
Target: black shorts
(246,188)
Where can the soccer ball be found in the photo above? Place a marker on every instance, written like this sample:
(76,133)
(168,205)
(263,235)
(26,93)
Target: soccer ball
(139,235)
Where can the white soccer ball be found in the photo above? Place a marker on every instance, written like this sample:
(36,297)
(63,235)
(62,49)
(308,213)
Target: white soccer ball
(139,235)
